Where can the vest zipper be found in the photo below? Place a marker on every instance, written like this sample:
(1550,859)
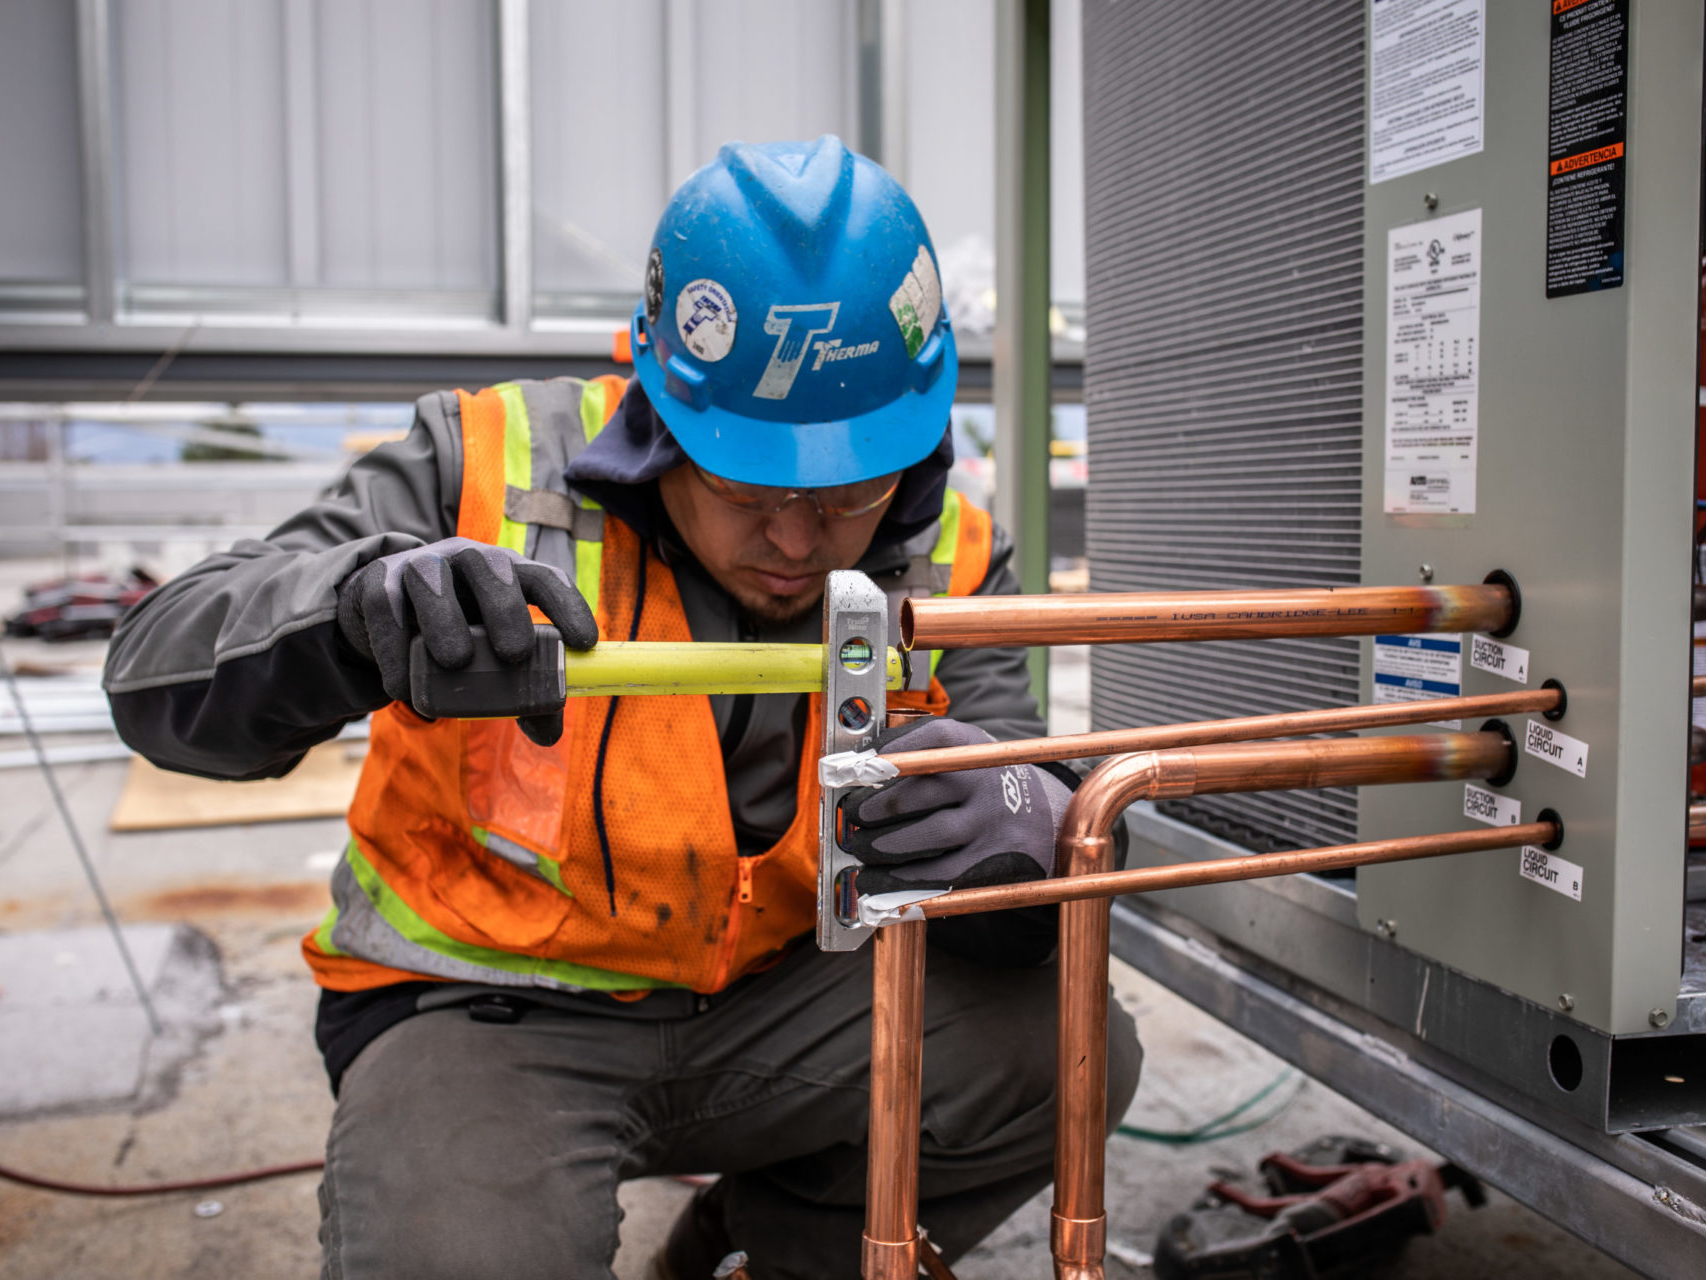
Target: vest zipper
(731,930)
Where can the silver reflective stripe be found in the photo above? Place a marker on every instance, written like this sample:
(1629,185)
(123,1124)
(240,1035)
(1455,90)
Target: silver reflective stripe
(554,511)
(362,932)
(512,852)
(555,437)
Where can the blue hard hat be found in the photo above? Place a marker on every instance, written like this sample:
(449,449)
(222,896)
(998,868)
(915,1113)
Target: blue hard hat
(792,330)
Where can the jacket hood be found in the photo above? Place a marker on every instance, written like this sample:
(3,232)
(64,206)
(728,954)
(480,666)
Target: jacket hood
(619,469)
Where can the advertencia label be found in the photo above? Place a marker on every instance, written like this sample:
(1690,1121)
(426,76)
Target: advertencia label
(1416,668)
(1550,870)
(1587,127)
(1561,749)
(1486,654)
(1491,807)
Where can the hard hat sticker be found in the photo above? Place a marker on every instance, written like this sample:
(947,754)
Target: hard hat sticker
(705,314)
(917,303)
(654,286)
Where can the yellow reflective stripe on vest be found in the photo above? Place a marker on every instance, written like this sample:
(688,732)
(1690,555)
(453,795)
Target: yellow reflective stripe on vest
(323,935)
(594,410)
(589,556)
(417,933)
(948,536)
(947,542)
(518,460)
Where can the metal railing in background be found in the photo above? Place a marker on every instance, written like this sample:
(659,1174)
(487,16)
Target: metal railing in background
(173,479)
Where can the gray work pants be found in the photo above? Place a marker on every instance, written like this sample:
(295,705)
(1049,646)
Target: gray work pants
(464,1150)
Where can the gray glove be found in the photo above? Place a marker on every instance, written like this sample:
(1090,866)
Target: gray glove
(432,591)
(952,830)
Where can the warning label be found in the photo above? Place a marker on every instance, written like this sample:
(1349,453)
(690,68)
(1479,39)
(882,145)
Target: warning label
(1419,668)
(1585,146)
(1427,67)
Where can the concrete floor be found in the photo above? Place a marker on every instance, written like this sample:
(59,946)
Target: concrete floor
(250,1091)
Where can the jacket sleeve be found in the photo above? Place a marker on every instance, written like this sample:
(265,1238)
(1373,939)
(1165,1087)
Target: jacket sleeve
(236,667)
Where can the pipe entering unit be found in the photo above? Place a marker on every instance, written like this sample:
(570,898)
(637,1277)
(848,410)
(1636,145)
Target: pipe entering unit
(967,622)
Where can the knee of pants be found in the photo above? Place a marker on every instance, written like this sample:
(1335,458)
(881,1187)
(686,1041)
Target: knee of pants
(1125,1062)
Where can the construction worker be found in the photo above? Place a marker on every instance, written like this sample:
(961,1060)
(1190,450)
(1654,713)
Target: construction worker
(573,949)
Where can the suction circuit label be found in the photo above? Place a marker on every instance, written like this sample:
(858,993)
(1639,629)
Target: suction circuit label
(1491,807)
(1487,654)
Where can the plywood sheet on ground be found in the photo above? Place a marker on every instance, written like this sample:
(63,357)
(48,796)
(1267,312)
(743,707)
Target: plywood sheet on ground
(320,787)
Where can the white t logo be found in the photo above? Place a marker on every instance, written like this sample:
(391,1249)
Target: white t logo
(791,344)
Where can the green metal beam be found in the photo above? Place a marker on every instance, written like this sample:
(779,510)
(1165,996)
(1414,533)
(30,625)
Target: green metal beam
(1022,365)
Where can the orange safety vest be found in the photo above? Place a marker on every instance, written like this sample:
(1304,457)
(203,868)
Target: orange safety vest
(476,855)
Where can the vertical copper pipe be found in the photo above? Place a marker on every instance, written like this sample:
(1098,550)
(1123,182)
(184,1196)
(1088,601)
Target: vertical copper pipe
(967,622)
(1078,1223)
(891,1243)
(897,1059)
(1078,1231)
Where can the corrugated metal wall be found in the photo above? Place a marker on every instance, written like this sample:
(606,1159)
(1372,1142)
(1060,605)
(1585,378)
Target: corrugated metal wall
(1223,372)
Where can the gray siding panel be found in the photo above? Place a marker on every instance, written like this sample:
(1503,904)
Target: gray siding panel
(1223,371)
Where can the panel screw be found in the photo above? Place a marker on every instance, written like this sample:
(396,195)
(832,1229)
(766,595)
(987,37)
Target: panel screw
(1386,928)
(1426,572)
(1566,1002)
(1659,1018)
(1431,200)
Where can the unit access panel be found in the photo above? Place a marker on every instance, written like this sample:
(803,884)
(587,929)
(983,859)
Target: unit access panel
(1531,287)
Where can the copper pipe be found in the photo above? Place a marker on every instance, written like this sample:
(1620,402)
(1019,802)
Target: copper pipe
(1290,724)
(897,1050)
(1084,847)
(968,622)
(1696,822)
(1698,686)
(932,1262)
(1185,875)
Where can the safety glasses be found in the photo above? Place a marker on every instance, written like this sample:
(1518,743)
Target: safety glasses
(837,501)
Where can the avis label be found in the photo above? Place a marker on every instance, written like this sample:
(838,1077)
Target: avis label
(1501,659)
(1557,748)
(1552,871)
(1491,807)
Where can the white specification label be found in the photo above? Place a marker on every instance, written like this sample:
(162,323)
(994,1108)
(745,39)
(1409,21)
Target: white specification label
(1490,807)
(1427,72)
(1433,361)
(1557,748)
(1417,668)
(1551,870)
(1486,654)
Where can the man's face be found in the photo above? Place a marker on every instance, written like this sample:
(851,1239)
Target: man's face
(772,562)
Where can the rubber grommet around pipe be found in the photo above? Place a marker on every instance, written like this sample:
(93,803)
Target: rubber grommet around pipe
(1557,712)
(1504,731)
(1551,815)
(1499,578)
